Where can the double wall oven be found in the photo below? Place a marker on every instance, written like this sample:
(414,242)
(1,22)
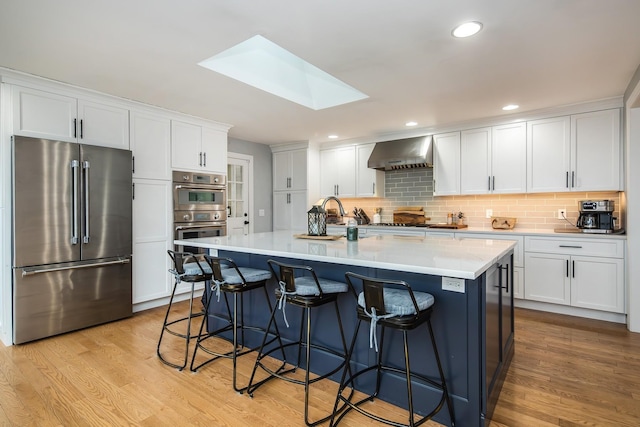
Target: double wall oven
(199,207)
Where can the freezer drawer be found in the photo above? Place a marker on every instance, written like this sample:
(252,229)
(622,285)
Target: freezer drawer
(58,298)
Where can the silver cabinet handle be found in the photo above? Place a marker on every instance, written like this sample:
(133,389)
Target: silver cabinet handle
(85,174)
(573,179)
(566,179)
(489,183)
(570,246)
(374,188)
(200,159)
(74,202)
(493,182)
(204,157)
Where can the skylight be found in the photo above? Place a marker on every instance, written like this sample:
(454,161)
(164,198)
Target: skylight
(265,65)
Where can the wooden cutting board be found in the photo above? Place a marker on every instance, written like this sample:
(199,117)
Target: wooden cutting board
(454,226)
(327,237)
(409,215)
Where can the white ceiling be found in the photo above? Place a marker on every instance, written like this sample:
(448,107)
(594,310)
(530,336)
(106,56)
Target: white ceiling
(535,53)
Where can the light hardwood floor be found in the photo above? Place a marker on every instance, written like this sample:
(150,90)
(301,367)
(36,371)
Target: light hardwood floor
(565,372)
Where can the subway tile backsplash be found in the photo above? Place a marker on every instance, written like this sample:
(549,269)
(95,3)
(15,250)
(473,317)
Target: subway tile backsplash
(414,187)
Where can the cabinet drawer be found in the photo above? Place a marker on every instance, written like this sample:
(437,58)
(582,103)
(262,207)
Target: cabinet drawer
(587,247)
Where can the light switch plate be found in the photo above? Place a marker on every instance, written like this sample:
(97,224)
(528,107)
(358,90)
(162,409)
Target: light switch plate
(261,212)
(489,213)
(453,284)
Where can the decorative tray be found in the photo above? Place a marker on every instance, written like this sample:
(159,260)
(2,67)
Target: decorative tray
(327,237)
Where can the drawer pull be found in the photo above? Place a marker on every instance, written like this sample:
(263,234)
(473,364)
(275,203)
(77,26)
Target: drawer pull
(571,246)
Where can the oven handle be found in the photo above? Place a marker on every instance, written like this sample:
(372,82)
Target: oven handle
(199,187)
(187,227)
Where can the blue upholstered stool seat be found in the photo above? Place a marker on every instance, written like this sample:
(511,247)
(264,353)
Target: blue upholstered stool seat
(192,269)
(231,276)
(398,301)
(306,286)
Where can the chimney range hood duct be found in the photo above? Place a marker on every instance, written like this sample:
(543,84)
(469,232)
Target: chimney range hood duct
(406,153)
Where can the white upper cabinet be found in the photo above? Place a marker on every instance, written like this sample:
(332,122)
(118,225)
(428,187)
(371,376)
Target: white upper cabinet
(197,148)
(509,158)
(151,145)
(549,155)
(57,116)
(214,147)
(475,161)
(574,153)
(290,170)
(595,146)
(369,182)
(338,172)
(446,164)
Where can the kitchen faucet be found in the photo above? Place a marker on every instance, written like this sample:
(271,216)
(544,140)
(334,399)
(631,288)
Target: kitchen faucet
(325,200)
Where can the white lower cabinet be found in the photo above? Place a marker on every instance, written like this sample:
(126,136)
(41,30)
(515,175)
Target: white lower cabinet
(290,210)
(585,273)
(152,237)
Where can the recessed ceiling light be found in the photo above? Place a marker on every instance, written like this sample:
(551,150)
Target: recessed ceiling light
(467,29)
(333,136)
(411,124)
(510,107)
(265,65)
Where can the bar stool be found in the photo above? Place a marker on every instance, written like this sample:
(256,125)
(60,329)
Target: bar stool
(191,268)
(300,286)
(229,279)
(391,304)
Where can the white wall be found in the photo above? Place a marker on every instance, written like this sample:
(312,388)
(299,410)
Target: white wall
(633,209)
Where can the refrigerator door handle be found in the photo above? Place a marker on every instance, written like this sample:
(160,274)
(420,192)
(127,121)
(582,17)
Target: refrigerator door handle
(74,201)
(30,271)
(85,175)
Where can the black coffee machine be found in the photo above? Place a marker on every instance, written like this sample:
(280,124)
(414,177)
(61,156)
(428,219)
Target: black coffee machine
(596,216)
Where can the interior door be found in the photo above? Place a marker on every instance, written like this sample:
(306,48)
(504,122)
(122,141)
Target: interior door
(238,185)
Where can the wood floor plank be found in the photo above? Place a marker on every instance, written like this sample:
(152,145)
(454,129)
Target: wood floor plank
(566,372)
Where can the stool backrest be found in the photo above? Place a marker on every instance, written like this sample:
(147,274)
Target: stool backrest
(181,259)
(216,266)
(286,273)
(373,289)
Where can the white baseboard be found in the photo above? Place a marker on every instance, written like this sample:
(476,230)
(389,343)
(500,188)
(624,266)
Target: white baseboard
(572,311)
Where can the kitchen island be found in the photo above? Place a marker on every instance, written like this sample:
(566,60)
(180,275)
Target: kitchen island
(472,317)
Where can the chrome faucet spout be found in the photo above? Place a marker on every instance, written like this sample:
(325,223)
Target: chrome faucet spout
(324,202)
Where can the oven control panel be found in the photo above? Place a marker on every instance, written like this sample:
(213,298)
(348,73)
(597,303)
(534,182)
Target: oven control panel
(199,216)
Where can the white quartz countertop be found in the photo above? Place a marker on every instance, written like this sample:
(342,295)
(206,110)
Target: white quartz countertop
(440,256)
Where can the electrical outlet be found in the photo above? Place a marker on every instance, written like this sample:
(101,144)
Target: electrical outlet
(562,213)
(489,213)
(453,284)
(260,212)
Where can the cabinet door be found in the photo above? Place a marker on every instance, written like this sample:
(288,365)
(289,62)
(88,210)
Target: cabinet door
(299,210)
(281,170)
(369,182)
(475,166)
(152,237)
(186,146)
(509,158)
(151,146)
(103,124)
(547,278)
(338,172)
(44,115)
(597,283)
(298,171)
(281,210)
(214,149)
(595,145)
(446,164)
(548,155)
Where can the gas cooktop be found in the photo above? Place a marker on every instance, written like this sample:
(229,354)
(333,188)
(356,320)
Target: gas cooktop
(398,224)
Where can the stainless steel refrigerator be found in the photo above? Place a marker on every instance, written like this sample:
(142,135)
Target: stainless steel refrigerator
(71,236)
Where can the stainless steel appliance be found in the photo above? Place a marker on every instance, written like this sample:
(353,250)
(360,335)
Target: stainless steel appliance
(596,216)
(71,236)
(200,207)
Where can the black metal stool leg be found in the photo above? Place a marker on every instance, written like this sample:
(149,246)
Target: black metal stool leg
(407,367)
(441,372)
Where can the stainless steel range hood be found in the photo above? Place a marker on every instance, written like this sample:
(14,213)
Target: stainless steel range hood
(416,152)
